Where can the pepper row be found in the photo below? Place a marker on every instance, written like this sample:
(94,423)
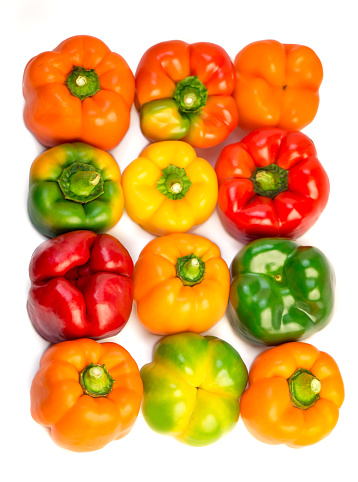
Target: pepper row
(269,187)
(81,91)
(82,287)
(270,184)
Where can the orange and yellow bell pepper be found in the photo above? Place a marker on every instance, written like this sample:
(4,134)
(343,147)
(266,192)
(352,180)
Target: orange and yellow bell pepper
(277,85)
(294,395)
(87,393)
(181,283)
(168,189)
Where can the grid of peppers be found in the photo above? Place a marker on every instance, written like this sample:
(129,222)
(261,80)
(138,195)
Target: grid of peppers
(270,188)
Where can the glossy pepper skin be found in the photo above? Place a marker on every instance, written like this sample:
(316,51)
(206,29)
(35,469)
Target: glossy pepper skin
(168,189)
(192,388)
(74,186)
(181,283)
(280,291)
(294,395)
(87,393)
(185,92)
(81,91)
(277,85)
(81,286)
(270,184)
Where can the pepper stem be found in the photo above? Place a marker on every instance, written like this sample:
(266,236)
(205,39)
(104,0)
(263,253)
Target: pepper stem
(191,94)
(96,381)
(83,83)
(270,180)
(176,187)
(174,183)
(81,182)
(190,269)
(304,388)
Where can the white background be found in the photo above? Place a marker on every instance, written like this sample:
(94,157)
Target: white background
(129,28)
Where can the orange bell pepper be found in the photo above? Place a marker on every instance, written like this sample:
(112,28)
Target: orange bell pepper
(81,91)
(277,85)
(294,395)
(87,393)
(185,91)
(181,283)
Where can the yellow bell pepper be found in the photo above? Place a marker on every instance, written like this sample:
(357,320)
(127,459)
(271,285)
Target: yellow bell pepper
(168,189)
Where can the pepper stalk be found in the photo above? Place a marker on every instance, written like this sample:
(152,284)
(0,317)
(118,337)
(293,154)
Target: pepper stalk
(304,388)
(96,380)
(190,269)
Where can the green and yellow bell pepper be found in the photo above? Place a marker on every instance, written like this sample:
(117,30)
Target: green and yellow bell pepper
(74,186)
(192,388)
(280,292)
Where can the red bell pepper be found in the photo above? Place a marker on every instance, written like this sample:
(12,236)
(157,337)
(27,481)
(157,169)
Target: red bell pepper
(81,287)
(270,184)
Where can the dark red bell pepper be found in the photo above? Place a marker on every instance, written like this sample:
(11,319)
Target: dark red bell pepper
(271,184)
(81,287)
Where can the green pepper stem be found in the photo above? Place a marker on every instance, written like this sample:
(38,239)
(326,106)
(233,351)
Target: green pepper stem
(96,381)
(83,83)
(304,388)
(191,94)
(81,80)
(176,187)
(190,269)
(81,182)
(267,180)
(174,183)
(270,180)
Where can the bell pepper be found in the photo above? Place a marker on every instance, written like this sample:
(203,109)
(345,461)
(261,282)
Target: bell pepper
(185,92)
(294,395)
(81,91)
(270,184)
(81,286)
(181,283)
(168,189)
(277,85)
(87,393)
(280,291)
(192,388)
(74,186)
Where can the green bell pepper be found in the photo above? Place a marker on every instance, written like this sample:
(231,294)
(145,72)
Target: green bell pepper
(280,291)
(74,186)
(192,388)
